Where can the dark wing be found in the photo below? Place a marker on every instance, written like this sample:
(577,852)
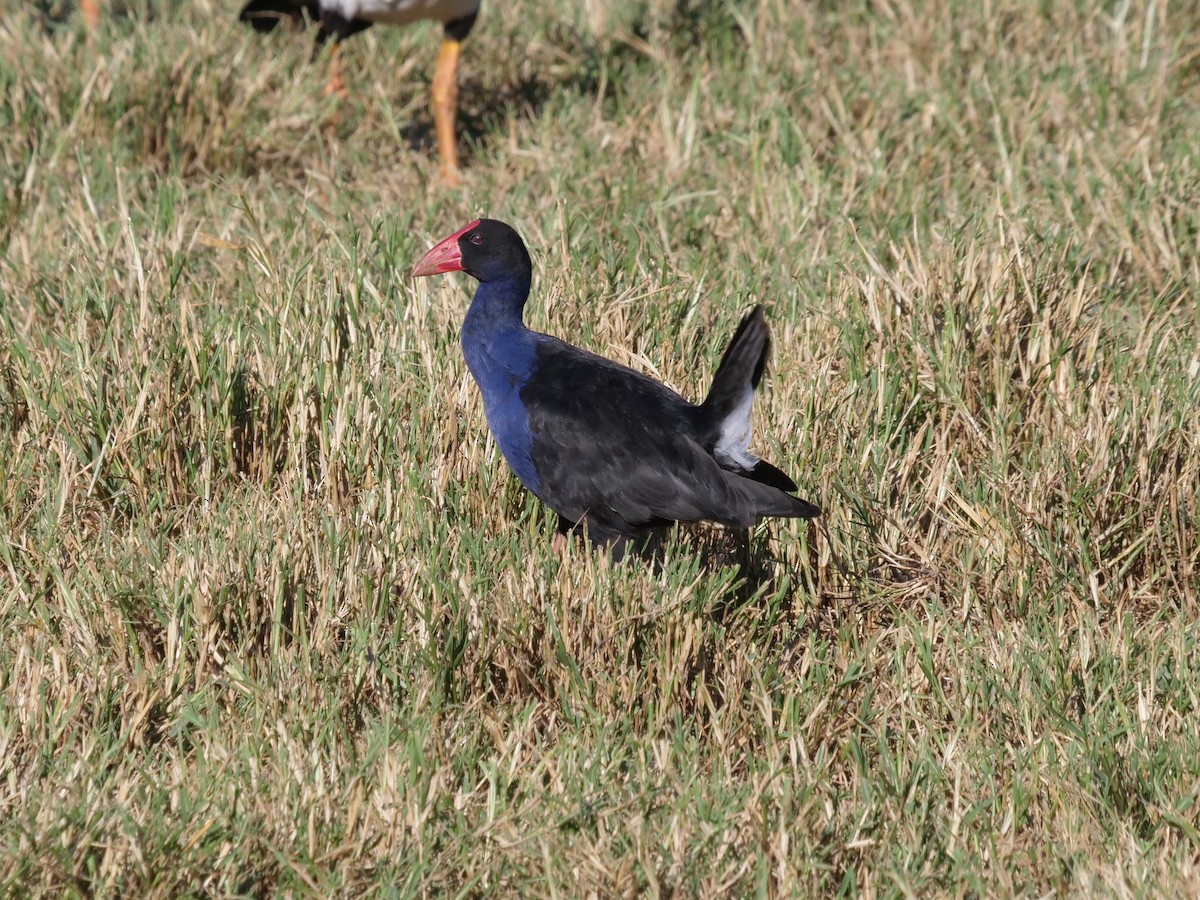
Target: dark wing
(623,452)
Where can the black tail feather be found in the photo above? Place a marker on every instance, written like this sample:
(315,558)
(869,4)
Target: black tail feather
(738,375)
(766,501)
(744,361)
(765,473)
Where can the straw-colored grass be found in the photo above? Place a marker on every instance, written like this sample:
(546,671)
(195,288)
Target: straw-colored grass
(275,617)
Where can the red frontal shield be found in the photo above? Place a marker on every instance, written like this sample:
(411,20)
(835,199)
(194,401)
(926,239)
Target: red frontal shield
(445,255)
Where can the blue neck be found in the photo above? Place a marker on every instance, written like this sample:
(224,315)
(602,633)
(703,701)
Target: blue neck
(497,305)
(494,339)
(501,354)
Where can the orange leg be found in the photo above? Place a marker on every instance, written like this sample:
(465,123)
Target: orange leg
(445,100)
(91,13)
(336,86)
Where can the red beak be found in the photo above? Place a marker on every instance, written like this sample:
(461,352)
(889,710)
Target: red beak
(445,255)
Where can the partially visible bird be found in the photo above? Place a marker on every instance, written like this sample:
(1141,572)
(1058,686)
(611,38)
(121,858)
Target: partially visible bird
(341,18)
(610,450)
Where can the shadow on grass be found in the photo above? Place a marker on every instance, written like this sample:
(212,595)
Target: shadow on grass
(760,571)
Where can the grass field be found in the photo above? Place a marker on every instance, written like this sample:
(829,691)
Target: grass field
(275,617)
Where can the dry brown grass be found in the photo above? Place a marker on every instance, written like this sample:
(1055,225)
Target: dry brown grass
(277,619)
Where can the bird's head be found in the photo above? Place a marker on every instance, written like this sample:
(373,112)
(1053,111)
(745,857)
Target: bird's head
(487,249)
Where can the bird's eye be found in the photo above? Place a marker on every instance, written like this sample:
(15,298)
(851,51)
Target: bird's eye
(476,238)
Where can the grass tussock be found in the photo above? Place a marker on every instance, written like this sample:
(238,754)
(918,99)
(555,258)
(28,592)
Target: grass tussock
(276,618)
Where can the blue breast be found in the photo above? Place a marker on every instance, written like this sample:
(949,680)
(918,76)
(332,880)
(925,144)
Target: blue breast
(502,354)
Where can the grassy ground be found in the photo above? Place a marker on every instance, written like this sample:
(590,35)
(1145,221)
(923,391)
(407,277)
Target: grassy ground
(274,616)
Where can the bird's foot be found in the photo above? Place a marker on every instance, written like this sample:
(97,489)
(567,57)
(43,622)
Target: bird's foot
(559,543)
(451,176)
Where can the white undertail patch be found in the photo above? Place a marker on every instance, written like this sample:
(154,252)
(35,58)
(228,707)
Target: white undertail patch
(733,443)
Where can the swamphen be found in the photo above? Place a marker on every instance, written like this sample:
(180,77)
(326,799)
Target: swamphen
(341,18)
(608,449)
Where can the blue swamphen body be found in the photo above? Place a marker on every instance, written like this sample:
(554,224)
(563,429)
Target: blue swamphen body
(610,450)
